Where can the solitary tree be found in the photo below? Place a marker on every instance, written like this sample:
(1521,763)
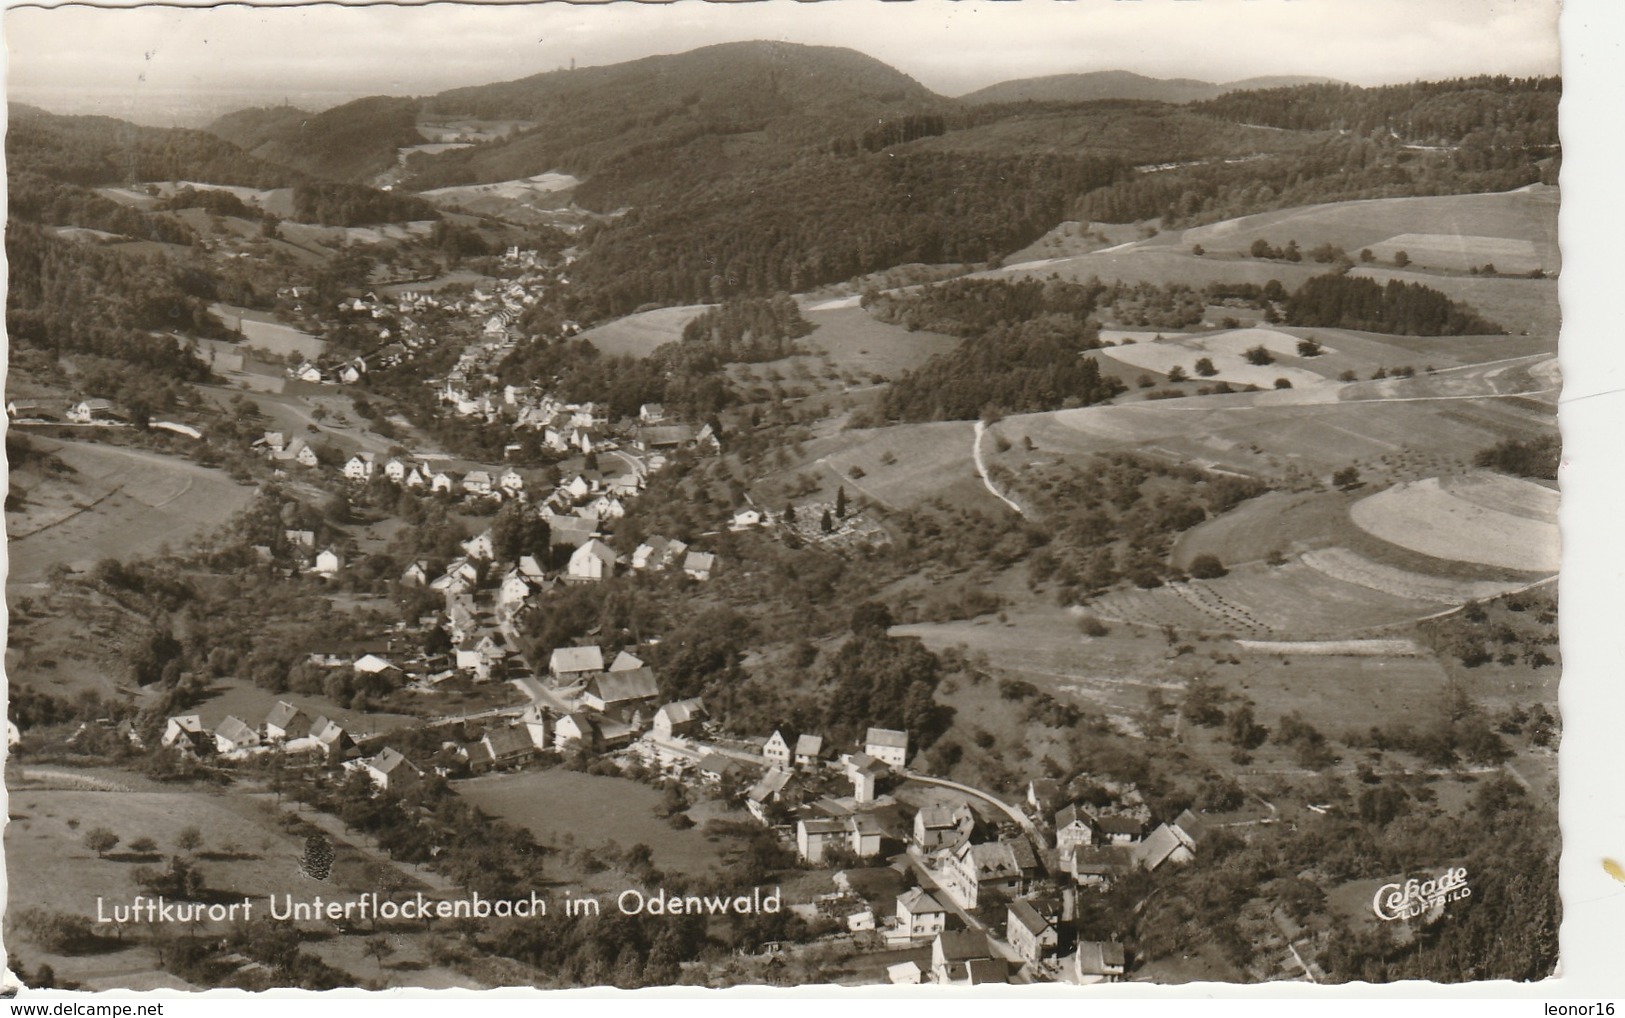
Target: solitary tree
(840,502)
(1401,259)
(1207,567)
(317,862)
(100,840)
(1176,374)
(827,522)
(1259,355)
(1205,368)
(189,839)
(1346,478)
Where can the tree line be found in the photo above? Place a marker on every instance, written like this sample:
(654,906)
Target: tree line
(1399,308)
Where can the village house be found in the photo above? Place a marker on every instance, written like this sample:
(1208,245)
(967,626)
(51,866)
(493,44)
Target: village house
(906,973)
(625,662)
(502,746)
(715,768)
(888,746)
(698,565)
(651,554)
(570,530)
(329,563)
(1119,829)
(395,470)
(186,732)
(538,724)
(477,482)
(919,915)
(1098,961)
(578,729)
(442,481)
(627,696)
(1097,867)
(416,574)
(1073,826)
(954,953)
(776,750)
(810,751)
(333,740)
(234,734)
(1160,847)
(1007,867)
(593,561)
(272,441)
(514,590)
(1190,829)
(285,722)
(682,719)
(88,410)
(480,548)
(389,771)
(651,413)
(359,468)
(745,519)
(939,827)
(570,663)
(511,481)
(864,772)
(767,793)
(859,834)
(531,569)
(1030,932)
(418,477)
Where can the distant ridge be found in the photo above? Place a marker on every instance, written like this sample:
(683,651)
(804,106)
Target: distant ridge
(1091,86)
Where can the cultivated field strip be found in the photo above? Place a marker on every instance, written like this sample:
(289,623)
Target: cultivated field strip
(1351,567)
(1422,516)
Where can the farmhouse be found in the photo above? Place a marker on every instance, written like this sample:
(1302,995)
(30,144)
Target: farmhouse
(593,731)
(568,663)
(233,734)
(1190,829)
(477,482)
(1119,829)
(920,915)
(359,468)
(627,696)
(888,746)
(1098,866)
(503,746)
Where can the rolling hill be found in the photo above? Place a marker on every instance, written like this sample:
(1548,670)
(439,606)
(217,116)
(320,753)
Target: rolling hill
(351,142)
(1096,85)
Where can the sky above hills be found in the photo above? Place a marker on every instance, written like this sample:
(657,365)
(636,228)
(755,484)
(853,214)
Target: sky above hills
(154,64)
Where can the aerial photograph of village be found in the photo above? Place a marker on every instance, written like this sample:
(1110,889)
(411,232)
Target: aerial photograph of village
(739,504)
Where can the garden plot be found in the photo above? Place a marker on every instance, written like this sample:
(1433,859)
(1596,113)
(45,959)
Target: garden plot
(1424,517)
(1505,494)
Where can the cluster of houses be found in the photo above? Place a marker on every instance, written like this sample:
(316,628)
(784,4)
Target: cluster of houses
(91,410)
(286,727)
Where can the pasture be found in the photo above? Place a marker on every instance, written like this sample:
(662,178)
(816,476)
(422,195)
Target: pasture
(860,344)
(639,335)
(1526,217)
(590,809)
(1486,518)
(119,502)
(1226,350)
(1140,263)
(901,466)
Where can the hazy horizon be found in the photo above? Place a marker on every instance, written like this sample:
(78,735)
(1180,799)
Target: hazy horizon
(169,65)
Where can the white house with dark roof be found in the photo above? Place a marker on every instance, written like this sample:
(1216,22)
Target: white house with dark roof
(919,915)
(776,750)
(186,732)
(809,750)
(888,746)
(1030,931)
(390,771)
(285,721)
(593,561)
(234,734)
(328,562)
(681,719)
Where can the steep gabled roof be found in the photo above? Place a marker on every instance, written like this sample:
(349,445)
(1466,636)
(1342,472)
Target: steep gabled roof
(1023,912)
(282,715)
(234,729)
(963,945)
(577,659)
(619,687)
(887,738)
(809,745)
(1099,957)
(920,902)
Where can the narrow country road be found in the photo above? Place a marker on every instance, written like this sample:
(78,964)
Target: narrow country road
(981,470)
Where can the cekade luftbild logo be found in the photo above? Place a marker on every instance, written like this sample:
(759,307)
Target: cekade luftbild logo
(1415,898)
